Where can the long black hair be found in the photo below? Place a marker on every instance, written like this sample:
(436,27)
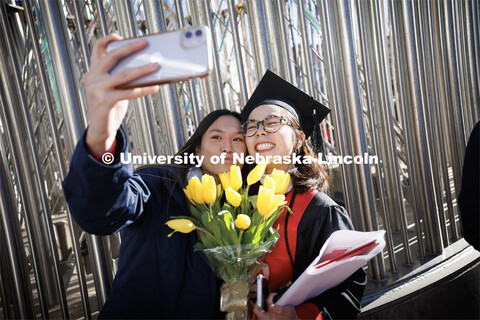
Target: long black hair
(196,139)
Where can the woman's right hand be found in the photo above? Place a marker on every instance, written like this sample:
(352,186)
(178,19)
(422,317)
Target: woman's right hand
(107,105)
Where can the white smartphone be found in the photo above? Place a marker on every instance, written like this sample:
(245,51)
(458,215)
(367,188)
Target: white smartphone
(182,54)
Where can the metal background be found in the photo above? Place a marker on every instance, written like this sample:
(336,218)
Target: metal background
(401,78)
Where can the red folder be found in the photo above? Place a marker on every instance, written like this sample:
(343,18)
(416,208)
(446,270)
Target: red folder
(341,254)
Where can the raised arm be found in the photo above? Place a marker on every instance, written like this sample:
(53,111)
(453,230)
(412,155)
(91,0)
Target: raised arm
(107,105)
(105,198)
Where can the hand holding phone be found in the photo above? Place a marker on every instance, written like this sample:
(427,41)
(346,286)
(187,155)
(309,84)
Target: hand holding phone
(181,55)
(107,106)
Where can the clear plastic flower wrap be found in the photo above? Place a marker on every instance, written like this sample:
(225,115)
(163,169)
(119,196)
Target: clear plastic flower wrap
(237,265)
(238,262)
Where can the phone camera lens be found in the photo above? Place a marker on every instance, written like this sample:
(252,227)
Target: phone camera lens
(198,33)
(188,34)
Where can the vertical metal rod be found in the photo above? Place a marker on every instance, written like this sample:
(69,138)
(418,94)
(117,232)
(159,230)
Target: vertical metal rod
(371,29)
(393,180)
(473,58)
(368,48)
(3,294)
(58,150)
(19,32)
(101,17)
(459,140)
(56,34)
(38,179)
(475,70)
(459,19)
(21,301)
(436,126)
(278,38)
(281,14)
(101,272)
(402,96)
(128,28)
(170,107)
(81,35)
(191,86)
(445,112)
(256,15)
(306,52)
(212,86)
(345,89)
(464,20)
(430,106)
(20,168)
(417,116)
(238,52)
(334,86)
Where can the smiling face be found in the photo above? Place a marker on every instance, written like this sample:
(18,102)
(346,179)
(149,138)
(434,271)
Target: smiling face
(223,136)
(281,143)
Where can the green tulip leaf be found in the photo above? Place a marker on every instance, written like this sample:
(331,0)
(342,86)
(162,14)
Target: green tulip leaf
(197,213)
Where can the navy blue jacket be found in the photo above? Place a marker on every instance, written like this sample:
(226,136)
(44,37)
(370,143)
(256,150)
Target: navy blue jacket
(158,277)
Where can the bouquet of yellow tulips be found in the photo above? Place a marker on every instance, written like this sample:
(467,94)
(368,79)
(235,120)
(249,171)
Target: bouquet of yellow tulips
(234,234)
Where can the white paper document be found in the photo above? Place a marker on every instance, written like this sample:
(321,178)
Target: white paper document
(344,252)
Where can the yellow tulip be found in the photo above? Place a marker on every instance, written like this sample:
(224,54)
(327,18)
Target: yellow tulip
(225,180)
(180,225)
(264,200)
(242,222)
(257,172)
(196,190)
(189,195)
(219,190)
(209,189)
(268,203)
(231,179)
(235,177)
(278,200)
(282,180)
(233,197)
(269,183)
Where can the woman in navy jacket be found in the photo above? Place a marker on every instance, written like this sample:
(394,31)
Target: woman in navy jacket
(158,277)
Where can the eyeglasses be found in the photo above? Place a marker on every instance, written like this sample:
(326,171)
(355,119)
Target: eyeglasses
(271,124)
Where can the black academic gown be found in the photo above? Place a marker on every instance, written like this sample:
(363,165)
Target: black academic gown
(320,219)
(316,217)
(158,277)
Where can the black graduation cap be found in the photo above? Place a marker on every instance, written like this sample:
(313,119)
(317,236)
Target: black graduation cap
(273,89)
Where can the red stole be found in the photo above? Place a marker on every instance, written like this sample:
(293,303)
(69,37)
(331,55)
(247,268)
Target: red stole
(279,265)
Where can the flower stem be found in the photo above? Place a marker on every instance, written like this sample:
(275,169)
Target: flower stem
(208,233)
(258,224)
(240,237)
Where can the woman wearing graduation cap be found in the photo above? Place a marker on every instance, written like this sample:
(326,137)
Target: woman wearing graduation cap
(277,120)
(157,277)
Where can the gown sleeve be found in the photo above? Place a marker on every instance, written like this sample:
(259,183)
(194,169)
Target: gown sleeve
(344,300)
(104,199)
